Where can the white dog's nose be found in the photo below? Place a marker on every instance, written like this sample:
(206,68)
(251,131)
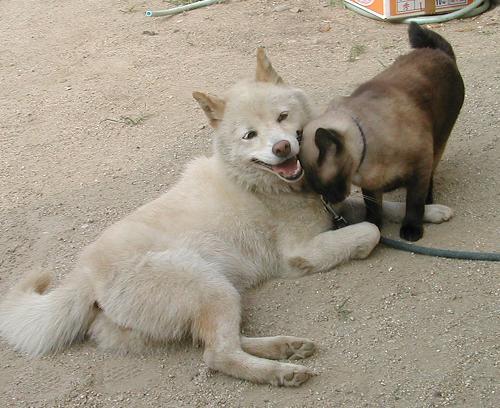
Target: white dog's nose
(282,148)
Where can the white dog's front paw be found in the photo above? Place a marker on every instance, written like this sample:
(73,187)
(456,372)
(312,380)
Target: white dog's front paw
(297,348)
(437,213)
(367,236)
(292,375)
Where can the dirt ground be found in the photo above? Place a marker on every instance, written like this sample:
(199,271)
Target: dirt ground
(97,118)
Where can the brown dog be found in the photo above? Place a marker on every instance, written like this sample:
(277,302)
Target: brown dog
(390,133)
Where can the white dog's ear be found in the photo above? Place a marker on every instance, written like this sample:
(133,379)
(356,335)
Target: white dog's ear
(265,71)
(212,106)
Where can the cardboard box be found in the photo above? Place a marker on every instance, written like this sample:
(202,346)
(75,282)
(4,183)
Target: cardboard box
(397,9)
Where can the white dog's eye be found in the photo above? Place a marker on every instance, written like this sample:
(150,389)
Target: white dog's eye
(282,116)
(250,134)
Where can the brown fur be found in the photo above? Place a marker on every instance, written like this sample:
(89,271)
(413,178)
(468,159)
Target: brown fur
(405,114)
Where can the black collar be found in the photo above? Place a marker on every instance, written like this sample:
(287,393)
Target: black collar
(339,221)
(363,137)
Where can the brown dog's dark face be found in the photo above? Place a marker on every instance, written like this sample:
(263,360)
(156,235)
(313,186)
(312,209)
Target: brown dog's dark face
(326,162)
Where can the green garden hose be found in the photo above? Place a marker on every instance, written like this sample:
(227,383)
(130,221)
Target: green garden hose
(341,222)
(180,9)
(473,9)
(443,253)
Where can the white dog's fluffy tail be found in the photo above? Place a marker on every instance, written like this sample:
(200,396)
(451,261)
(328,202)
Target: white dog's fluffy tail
(36,323)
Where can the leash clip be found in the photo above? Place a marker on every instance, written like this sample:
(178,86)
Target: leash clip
(340,222)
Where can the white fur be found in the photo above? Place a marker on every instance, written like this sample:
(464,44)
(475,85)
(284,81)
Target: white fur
(354,209)
(38,324)
(178,265)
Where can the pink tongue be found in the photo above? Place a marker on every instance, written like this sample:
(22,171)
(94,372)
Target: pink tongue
(288,168)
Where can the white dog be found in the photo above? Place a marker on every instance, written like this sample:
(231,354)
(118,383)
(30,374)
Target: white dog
(178,265)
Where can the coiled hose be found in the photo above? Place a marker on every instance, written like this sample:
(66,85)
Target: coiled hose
(473,9)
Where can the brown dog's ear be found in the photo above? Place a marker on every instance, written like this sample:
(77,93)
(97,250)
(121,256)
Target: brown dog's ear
(212,106)
(327,140)
(265,71)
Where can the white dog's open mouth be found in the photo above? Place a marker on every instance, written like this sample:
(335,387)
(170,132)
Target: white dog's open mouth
(289,170)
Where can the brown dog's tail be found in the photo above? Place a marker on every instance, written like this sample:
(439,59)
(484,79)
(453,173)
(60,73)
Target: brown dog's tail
(423,38)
